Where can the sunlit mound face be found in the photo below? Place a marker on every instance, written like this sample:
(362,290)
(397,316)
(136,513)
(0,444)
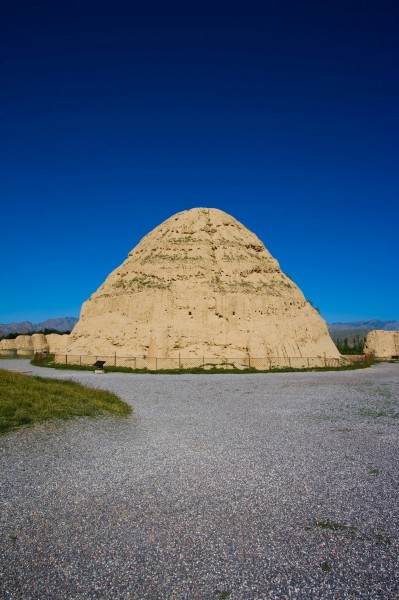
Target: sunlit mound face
(201,284)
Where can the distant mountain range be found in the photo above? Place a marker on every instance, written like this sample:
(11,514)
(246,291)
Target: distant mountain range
(360,329)
(61,324)
(337,330)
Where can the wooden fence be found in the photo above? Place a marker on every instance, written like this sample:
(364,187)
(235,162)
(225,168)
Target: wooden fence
(206,363)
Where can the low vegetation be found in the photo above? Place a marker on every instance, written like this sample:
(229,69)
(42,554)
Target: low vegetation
(48,361)
(25,400)
(347,346)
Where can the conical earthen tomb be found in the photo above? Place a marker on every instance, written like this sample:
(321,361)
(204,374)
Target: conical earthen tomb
(200,285)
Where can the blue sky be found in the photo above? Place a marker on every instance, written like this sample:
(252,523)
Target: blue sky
(114,116)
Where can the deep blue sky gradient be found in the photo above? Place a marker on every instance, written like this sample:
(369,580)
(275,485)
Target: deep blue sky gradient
(114,116)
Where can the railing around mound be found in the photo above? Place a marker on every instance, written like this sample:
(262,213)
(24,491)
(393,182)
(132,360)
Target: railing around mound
(139,363)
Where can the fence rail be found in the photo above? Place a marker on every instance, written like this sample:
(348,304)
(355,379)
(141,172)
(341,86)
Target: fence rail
(178,363)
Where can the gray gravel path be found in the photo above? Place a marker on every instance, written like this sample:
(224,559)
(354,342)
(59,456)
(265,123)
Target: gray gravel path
(232,486)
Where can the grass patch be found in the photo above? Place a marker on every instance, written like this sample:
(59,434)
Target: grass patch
(25,400)
(373,470)
(48,361)
(331,525)
(383,539)
(325,567)
(381,405)
(376,414)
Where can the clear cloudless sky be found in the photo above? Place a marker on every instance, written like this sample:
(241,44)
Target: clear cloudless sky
(116,115)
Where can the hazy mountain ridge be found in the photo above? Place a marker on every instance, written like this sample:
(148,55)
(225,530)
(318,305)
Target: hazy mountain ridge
(337,330)
(369,325)
(359,329)
(60,324)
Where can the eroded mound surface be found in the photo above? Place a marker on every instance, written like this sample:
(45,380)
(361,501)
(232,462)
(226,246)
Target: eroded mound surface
(383,344)
(200,284)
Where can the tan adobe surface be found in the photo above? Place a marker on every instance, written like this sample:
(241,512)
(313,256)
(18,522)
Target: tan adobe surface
(382,344)
(200,284)
(53,343)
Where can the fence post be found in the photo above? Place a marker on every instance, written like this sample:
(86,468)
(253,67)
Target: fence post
(66,359)
(325,360)
(115,359)
(80,359)
(249,362)
(179,361)
(289,361)
(156,363)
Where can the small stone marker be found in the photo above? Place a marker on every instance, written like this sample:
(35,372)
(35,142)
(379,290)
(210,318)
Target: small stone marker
(99,364)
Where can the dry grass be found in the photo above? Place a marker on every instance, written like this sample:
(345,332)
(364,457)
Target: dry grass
(25,400)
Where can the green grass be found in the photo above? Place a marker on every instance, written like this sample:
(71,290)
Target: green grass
(373,470)
(376,414)
(327,524)
(383,539)
(25,400)
(48,362)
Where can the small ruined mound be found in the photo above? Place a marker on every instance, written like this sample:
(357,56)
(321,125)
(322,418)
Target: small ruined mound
(382,344)
(39,342)
(200,285)
(7,346)
(26,345)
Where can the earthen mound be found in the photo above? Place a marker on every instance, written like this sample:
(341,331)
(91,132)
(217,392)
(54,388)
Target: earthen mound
(200,285)
(382,344)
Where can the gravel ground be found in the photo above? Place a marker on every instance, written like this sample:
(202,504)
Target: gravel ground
(218,486)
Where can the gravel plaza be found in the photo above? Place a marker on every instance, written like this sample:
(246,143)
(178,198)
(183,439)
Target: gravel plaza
(243,487)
